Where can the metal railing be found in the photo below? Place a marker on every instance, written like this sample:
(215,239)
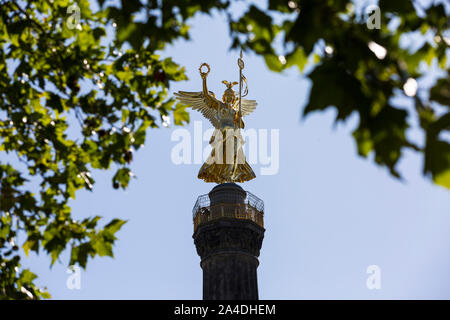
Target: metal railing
(252,208)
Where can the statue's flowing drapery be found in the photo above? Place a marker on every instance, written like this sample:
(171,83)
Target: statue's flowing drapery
(227,162)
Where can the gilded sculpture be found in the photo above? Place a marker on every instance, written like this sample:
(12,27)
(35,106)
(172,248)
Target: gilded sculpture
(226,162)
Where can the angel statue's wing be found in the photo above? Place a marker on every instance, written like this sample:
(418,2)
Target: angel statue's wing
(208,106)
(247,106)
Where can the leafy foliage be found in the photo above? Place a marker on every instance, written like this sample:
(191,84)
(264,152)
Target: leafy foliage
(97,63)
(351,74)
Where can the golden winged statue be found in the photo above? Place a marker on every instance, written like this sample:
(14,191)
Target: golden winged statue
(226,162)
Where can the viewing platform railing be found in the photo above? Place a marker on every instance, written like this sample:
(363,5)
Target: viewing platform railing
(252,208)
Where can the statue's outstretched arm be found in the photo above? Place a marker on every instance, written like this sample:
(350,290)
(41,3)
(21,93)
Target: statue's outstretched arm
(212,101)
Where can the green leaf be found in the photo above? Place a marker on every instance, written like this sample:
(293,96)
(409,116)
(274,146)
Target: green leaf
(180,115)
(441,92)
(298,58)
(273,62)
(102,247)
(402,7)
(27,276)
(122,177)
(115,225)
(343,91)
(437,161)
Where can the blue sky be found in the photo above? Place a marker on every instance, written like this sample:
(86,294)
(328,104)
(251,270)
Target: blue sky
(329,214)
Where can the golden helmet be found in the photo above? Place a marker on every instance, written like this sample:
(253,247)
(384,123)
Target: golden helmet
(229,95)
